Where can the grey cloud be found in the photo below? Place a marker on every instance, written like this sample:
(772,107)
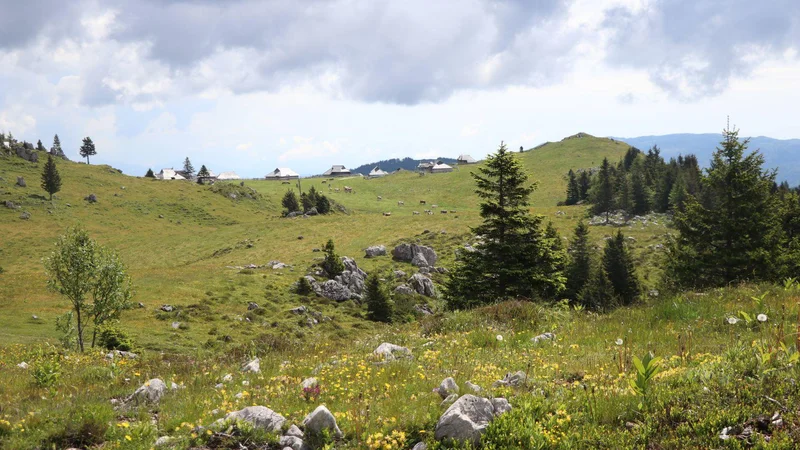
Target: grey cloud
(384,51)
(692,48)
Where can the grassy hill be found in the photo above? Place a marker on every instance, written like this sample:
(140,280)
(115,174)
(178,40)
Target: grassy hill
(179,238)
(185,245)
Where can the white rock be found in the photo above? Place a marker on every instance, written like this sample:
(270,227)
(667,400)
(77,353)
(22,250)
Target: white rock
(150,392)
(23,365)
(500,406)
(292,442)
(227,378)
(163,440)
(321,419)
(446,387)
(512,379)
(465,420)
(473,387)
(309,383)
(253,366)
(294,431)
(259,416)
(392,351)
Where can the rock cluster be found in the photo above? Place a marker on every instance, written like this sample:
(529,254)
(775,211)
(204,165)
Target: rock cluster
(418,255)
(468,417)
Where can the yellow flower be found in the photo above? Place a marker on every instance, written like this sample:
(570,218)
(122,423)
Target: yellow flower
(128,437)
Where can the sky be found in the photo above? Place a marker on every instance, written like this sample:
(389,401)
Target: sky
(248,86)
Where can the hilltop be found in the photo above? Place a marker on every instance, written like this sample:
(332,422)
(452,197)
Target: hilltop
(391,165)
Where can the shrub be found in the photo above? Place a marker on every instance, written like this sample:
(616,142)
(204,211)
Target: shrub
(85,427)
(303,287)
(379,306)
(290,202)
(113,338)
(333,264)
(46,372)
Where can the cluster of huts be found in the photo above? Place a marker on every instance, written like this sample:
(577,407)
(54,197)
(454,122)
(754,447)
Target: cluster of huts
(287,174)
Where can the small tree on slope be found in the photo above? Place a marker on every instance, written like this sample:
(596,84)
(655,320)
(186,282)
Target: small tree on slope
(379,306)
(51,180)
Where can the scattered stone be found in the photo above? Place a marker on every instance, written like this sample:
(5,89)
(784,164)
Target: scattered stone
(163,441)
(150,392)
(425,270)
(227,378)
(167,308)
(91,198)
(390,352)
(322,419)
(422,285)
(309,383)
(10,205)
(253,366)
(316,250)
(653,293)
(446,387)
(293,443)
(404,289)
(399,274)
(294,431)
(25,215)
(465,420)
(260,417)
(425,310)
(512,379)
(176,325)
(252,305)
(120,354)
(543,337)
(335,290)
(473,387)
(419,260)
(374,251)
(299,310)
(23,365)
(420,446)
(140,305)
(21,182)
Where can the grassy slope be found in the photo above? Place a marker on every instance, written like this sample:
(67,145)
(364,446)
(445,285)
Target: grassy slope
(171,259)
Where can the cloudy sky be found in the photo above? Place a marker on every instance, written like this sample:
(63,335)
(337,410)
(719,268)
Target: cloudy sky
(250,85)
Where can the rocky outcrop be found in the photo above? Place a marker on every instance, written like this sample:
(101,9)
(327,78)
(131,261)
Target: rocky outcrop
(374,251)
(404,289)
(467,419)
(352,277)
(408,253)
(21,182)
(422,285)
(335,290)
(27,154)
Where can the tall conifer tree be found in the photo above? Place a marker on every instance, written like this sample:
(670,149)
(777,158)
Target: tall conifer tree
(579,268)
(87,149)
(620,270)
(51,179)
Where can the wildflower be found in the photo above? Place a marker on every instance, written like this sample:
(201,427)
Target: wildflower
(500,337)
(732,320)
(761,317)
(619,341)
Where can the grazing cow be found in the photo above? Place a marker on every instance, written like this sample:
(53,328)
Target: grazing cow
(387,214)
(444,211)
(380,198)
(337,189)
(415,213)
(430,213)
(324,181)
(452,211)
(434,206)
(285,182)
(422,202)
(348,189)
(400,204)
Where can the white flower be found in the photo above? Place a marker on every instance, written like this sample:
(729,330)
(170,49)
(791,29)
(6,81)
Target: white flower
(499,337)
(618,341)
(732,320)
(761,317)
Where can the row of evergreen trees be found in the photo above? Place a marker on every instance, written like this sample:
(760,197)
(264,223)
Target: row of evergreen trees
(733,222)
(307,200)
(86,150)
(638,184)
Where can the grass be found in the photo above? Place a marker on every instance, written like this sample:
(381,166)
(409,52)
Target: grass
(184,245)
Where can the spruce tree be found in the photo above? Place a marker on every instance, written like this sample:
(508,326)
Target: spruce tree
(149,174)
(379,306)
(623,195)
(56,150)
(603,190)
(332,264)
(188,167)
(515,258)
(734,233)
(573,191)
(584,184)
(619,268)
(579,268)
(40,147)
(597,293)
(203,172)
(87,149)
(640,192)
(290,202)
(51,180)
(323,204)
(678,194)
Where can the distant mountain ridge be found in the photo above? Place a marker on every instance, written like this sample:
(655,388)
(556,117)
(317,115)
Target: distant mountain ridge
(781,154)
(390,165)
